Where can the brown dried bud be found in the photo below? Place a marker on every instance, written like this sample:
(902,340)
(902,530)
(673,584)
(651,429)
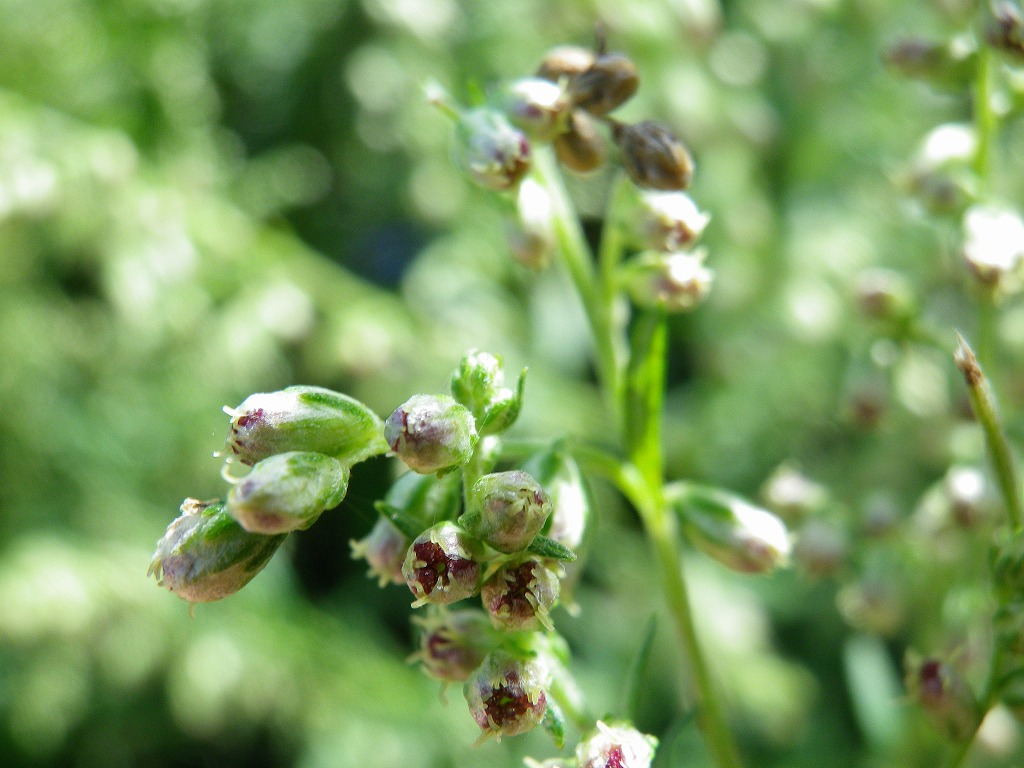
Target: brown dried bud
(581,147)
(565,61)
(653,157)
(606,85)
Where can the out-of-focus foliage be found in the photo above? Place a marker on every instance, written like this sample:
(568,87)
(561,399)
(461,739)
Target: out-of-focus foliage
(200,199)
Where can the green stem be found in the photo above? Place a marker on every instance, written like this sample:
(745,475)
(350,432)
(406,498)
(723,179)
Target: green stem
(579,262)
(984,116)
(640,478)
(662,532)
(984,408)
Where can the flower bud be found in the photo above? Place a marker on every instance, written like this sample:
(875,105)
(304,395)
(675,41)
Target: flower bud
(565,61)
(1005,29)
(946,65)
(537,106)
(737,534)
(821,548)
(531,232)
(441,567)
(675,282)
(605,85)
(303,418)
(384,549)
(205,555)
(616,745)
(792,495)
(872,605)
(669,221)
(452,644)
(422,500)
(508,510)
(884,295)
(566,489)
(653,157)
(431,433)
(994,245)
(287,492)
(477,381)
(496,153)
(520,595)
(581,147)
(506,695)
(944,695)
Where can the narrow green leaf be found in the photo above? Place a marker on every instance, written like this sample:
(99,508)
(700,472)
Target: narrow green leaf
(635,691)
(645,392)
(405,523)
(545,547)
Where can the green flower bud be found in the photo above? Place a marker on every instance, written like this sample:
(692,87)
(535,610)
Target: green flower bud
(453,644)
(303,418)
(287,492)
(506,695)
(606,84)
(520,595)
(206,555)
(419,501)
(675,282)
(616,745)
(653,157)
(508,510)
(567,490)
(821,548)
(537,106)
(581,148)
(737,534)
(944,695)
(884,295)
(384,549)
(565,62)
(496,153)
(431,433)
(478,380)
(441,565)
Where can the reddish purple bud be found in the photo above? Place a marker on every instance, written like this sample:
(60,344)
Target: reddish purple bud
(506,696)
(384,549)
(616,745)
(440,566)
(520,595)
(944,695)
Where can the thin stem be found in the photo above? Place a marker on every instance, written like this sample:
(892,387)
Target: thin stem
(999,448)
(662,532)
(579,261)
(640,478)
(984,116)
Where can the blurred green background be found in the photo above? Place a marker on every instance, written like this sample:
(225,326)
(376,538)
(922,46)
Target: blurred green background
(200,199)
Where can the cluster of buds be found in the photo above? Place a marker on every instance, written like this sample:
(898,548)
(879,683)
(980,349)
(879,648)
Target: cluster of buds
(300,444)
(453,529)
(668,272)
(564,104)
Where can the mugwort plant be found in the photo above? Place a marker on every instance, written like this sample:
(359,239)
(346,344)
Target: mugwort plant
(486,551)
